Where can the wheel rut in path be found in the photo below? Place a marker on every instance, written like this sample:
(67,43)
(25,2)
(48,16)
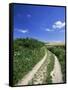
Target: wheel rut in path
(25,80)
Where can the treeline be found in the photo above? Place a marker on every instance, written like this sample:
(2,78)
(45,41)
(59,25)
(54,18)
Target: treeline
(28,43)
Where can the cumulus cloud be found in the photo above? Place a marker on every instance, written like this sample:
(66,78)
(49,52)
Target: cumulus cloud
(58,25)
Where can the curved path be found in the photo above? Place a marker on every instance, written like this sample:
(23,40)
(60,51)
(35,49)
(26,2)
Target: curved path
(56,73)
(25,80)
(39,73)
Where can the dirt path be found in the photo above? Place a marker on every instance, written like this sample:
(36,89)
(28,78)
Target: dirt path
(31,74)
(40,75)
(56,73)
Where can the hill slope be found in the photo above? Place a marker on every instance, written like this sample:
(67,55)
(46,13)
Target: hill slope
(27,53)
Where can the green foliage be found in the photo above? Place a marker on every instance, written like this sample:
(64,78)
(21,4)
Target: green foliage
(59,51)
(28,43)
(27,52)
(50,67)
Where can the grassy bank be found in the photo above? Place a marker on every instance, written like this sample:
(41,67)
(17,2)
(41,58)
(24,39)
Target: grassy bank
(50,67)
(59,51)
(27,52)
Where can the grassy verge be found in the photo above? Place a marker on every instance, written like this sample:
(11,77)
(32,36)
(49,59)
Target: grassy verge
(59,51)
(27,53)
(50,68)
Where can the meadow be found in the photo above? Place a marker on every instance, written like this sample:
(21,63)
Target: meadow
(27,53)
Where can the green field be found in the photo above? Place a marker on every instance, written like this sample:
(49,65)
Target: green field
(27,52)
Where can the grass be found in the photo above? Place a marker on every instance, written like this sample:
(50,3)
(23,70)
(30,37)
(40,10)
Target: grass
(27,53)
(50,67)
(59,51)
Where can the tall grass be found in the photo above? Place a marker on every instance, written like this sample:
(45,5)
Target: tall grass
(59,51)
(27,52)
(50,67)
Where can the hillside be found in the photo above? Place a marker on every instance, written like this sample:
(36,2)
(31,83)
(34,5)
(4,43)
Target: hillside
(36,62)
(27,52)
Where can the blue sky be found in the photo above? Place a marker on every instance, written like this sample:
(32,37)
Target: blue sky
(44,23)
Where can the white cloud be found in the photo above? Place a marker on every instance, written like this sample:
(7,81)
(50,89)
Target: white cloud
(49,30)
(23,31)
(58,25)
